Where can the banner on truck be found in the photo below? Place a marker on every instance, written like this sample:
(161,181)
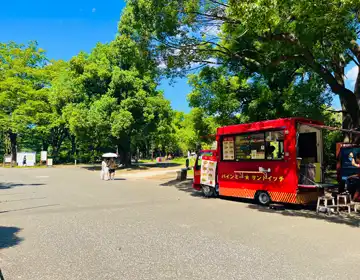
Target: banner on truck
(208,170)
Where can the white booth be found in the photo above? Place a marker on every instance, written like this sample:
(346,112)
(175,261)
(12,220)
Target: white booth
(28,157)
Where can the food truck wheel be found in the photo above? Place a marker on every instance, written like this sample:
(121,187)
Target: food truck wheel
(208,191)
(263,198)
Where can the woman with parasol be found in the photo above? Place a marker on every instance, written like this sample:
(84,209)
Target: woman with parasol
(110,165)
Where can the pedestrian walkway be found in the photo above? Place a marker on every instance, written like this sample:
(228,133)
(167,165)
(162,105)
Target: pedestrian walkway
(146,174)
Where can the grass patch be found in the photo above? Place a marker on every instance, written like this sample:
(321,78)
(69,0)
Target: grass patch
(146,161)
(178,160)
(190,172)
(36,166)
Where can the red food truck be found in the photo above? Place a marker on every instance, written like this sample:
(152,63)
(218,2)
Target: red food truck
(275,160)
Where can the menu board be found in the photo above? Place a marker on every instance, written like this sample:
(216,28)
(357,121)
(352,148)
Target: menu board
(228,148)
(242,147)
(208,171)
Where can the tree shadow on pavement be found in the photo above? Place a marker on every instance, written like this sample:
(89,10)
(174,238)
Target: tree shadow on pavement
(157,164)
(28,208)
(184,186)
(10,185)
(8,237)
(98,168)
(289,210)
(352,219)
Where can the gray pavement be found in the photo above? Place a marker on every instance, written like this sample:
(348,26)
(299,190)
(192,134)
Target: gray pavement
(67,224)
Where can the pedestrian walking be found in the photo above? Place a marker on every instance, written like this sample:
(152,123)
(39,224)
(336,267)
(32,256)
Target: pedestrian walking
(104,174)
(112,167)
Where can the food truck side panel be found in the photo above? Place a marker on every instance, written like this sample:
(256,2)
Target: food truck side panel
(239,175)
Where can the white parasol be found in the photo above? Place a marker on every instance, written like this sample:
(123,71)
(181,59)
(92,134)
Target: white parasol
(109,155)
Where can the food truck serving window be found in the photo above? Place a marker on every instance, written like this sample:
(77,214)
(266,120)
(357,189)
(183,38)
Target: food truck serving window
(267,145)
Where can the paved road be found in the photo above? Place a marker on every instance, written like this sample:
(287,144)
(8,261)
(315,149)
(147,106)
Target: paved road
(67,224)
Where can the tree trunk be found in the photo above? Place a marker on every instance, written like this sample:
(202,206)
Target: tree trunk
(45,146)
(13,143)
(58,134)
(125,158)
(73,146)
(55,153)
(350,116)
(125,152)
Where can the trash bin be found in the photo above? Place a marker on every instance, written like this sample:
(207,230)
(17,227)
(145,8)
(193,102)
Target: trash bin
(307,174)
(181,175)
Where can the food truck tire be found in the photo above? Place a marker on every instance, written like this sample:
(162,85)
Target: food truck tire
(208,191)
(263,198)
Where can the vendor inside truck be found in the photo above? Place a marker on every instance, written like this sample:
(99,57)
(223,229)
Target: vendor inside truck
(355,163)
(350,171)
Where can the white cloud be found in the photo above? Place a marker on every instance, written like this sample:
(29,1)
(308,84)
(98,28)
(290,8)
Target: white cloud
(93,10)
(211,30)
(352,74)
(212,59)
(162,65)
(214,31)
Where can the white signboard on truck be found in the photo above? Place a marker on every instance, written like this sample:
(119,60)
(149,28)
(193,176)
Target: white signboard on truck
(208,171)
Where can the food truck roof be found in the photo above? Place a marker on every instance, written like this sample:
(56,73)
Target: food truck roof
(264,125)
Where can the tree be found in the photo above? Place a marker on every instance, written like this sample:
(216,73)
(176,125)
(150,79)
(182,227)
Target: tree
(317,37)
(119,101)
(194,130)
(232,98)
(21,88)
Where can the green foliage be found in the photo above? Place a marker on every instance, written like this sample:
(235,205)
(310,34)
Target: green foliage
(97,102)
(278,51)
(22,87)
(193,131)
(254,60)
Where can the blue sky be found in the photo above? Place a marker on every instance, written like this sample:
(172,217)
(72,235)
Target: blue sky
(63,28)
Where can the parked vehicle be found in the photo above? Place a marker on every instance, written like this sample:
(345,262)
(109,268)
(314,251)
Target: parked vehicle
(275,160)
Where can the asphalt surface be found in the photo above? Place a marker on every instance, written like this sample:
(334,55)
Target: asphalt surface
(67,224)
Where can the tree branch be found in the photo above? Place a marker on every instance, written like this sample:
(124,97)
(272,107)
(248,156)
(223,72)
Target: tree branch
(285,37)
(219,3)
(216,17)
(208,62)
(279,59)
(353,59)
(335,111)
(355,49)
(326,75)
